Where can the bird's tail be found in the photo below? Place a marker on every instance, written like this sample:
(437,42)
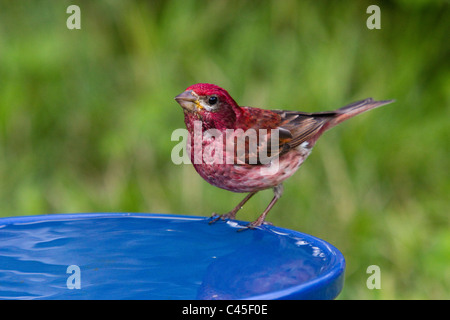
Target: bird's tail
(354,109)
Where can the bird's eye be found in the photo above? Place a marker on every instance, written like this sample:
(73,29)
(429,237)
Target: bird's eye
(212,100)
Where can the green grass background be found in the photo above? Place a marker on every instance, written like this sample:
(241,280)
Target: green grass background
(86,118)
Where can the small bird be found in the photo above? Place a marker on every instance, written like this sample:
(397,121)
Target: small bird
(275,142)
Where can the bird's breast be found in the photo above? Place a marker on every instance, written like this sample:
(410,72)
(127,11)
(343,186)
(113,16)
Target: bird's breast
(211,159)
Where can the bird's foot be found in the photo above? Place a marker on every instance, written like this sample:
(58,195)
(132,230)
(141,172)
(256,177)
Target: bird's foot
(255,224)
(216,217)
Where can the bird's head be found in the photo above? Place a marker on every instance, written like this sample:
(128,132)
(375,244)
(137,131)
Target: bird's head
(209,103)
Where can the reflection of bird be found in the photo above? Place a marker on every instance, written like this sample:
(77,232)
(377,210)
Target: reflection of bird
(211,109)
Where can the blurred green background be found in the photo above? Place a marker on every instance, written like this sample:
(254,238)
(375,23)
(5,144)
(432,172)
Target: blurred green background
(86,118)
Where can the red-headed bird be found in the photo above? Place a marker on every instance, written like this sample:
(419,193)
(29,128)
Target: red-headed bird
(282,138)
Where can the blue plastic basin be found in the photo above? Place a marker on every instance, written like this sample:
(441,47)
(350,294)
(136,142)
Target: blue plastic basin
(154,256)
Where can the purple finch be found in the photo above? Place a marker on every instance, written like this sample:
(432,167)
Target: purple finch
(270,137)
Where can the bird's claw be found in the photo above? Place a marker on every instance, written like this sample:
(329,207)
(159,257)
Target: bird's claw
(254,225)
(215,217)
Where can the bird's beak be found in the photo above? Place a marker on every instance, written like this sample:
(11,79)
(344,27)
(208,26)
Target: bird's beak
(188,100)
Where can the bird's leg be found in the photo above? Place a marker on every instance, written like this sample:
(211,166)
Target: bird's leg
(232,213)
(278,191)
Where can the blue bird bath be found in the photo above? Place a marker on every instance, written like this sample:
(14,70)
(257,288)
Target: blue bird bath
(156,256)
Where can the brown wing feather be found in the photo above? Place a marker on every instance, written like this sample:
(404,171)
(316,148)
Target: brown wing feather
(302,125)
(305,126)
(295,127)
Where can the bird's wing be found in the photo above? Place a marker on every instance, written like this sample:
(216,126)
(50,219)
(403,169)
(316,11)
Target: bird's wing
(292,129)
(303,126)
(296,127)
